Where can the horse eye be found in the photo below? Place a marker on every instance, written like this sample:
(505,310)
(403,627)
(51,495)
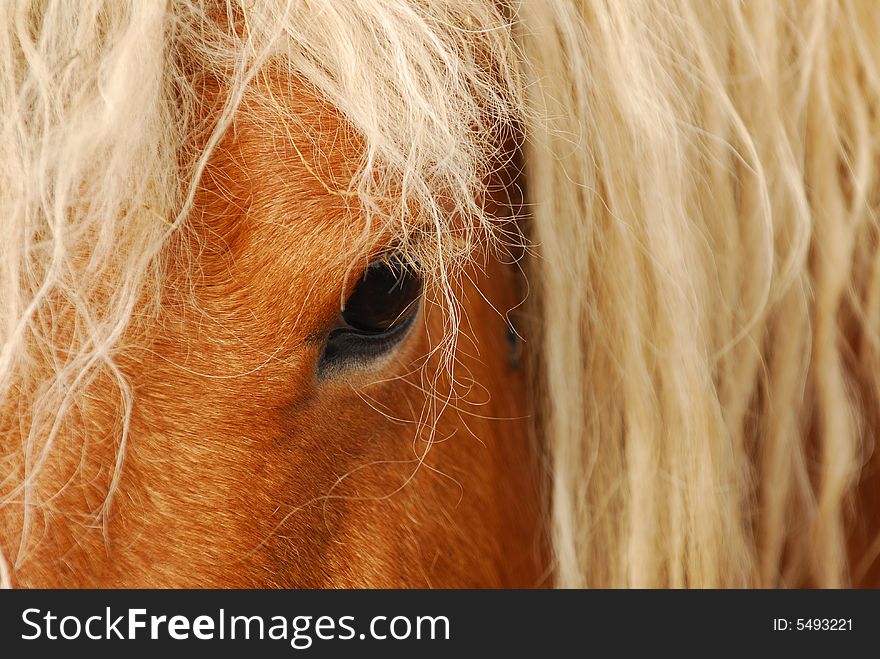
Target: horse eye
(376,316)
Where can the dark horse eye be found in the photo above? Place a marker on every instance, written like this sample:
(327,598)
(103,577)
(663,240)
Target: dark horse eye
(376,316)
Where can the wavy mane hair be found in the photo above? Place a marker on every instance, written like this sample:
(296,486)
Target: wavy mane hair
(701,187)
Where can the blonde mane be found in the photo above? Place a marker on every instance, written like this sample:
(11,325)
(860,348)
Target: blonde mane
(705,191)
(701,178)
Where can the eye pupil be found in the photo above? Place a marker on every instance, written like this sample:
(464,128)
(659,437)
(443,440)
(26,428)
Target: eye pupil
(383,297)
(377,316)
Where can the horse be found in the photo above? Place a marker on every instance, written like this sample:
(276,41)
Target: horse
(409,293)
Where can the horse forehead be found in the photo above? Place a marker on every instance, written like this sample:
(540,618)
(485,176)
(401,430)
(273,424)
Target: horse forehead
(285,165)
(274,207)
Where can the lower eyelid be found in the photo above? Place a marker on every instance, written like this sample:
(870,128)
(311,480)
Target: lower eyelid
(358,347)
